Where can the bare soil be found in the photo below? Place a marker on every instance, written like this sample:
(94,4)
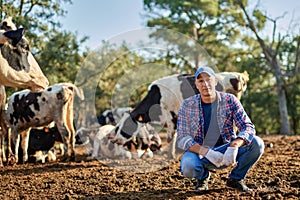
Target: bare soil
(275,176)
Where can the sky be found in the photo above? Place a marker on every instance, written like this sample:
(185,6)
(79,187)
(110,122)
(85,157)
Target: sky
(101,20)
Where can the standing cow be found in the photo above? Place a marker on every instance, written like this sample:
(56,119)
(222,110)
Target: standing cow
(26,109)
(165,96)
(18,68)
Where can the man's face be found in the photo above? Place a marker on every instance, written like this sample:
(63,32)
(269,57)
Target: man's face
(206,85)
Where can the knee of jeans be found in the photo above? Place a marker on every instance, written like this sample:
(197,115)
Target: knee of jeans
(188,168)
(258,144)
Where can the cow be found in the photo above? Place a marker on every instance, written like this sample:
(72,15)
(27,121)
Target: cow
(18,68)
(26,109)
(44,142)
(112,116)
(106,145)
(103,147)
(164,98)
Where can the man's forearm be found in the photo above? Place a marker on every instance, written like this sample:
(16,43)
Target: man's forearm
(238,142)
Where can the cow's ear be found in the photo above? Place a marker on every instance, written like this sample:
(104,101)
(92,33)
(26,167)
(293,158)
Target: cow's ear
(246,75)
(14,35)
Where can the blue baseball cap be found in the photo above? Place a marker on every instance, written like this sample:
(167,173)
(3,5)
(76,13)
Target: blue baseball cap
(206,70)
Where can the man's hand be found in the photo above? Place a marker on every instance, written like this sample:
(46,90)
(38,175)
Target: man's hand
(214,157)
(230,156)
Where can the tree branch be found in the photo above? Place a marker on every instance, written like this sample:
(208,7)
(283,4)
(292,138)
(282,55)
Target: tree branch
(267,50)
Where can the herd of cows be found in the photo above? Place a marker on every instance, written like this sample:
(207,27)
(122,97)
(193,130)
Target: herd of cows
(34,120)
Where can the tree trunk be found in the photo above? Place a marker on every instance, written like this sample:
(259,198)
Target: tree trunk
(282,104)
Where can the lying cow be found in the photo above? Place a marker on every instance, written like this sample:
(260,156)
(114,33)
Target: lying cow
(106,145)
(27,109)
(112,116)
(103,147)
(164,98)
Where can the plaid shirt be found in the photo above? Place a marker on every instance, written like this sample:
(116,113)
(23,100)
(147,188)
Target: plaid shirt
(190,125)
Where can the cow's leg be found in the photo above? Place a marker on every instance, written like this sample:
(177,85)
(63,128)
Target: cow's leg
(10,154)
(2,124)
(65,138)
(24,145)
(1,148)
(171,135)
(14,140)
(3,138)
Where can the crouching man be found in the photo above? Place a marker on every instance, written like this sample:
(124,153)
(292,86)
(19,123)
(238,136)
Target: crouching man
(206,133)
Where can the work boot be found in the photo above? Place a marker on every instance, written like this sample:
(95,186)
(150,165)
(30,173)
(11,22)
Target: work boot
(238,185)
(202,184)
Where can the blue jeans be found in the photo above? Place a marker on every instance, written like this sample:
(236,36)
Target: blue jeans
(192,166)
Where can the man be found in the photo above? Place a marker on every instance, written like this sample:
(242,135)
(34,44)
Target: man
(206,133)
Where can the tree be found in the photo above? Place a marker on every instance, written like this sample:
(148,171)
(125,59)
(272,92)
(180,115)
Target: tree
(212,23)
(271,53)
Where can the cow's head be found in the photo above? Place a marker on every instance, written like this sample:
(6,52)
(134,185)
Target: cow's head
(64,91)
(233,82)
(7,24)
(18,68)
(239,83)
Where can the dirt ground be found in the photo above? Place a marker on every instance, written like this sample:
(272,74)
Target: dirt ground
(275,176)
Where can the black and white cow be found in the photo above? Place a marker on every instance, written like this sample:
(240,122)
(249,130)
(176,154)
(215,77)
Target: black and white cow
(41,144)
(106,145)
(26,109)
(46,141)
(18,68)
(165,97)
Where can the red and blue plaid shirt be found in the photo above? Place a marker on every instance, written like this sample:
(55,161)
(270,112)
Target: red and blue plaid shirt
(190,125)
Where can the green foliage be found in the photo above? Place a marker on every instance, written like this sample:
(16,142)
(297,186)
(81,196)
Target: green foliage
(260,19)
(212,23)
(60,56)
(121,76)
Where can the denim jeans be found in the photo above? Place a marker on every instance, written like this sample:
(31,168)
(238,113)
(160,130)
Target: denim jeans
(192,166)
